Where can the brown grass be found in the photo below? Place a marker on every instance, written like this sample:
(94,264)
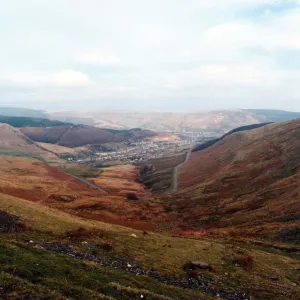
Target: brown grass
(250,181)
(38,182)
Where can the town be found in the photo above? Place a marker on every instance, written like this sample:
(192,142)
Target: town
(145,150)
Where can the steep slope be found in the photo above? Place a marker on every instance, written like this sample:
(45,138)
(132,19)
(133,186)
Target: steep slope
(248,179)
(214,141)
(12,141)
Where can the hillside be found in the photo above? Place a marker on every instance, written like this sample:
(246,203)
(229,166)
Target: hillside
(77,136)
(12,141)
(248,180)
(53,186)
(214,141)
(30,122)
(47,253)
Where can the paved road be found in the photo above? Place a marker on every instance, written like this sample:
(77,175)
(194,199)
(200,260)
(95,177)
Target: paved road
(175,172)
(92,185)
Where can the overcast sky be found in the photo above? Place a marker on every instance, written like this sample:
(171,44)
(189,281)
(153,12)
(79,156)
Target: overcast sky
(150,54)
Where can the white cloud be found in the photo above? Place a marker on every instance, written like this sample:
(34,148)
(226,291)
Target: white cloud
(70,78)
(63,78)
(102,59)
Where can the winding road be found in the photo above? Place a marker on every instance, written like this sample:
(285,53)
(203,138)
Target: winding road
(176,169)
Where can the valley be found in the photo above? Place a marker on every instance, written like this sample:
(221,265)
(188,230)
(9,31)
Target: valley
(158,214)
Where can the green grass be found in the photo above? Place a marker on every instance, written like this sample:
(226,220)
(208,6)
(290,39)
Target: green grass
(83,171)
(164,253)
(30,271)
(17,153)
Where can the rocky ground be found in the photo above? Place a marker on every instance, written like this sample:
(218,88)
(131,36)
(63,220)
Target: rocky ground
(110,259)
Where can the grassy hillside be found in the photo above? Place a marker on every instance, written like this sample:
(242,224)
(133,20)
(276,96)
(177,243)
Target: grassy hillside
(81,267)
(77,136)
(13,142)
(247,181)
(212,142)
(38,182)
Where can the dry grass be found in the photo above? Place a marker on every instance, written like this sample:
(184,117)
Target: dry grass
(60,149)
(148,248)
(250,181)
(37,182)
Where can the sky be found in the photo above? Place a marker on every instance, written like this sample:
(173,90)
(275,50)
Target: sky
(168,55)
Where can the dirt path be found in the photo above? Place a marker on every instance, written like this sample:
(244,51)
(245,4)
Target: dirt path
(92,185)
(176,171)
(66,132)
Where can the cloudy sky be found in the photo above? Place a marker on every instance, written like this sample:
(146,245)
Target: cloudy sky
(150,54)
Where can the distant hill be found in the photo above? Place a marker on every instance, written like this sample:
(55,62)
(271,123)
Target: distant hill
(30,122)
(249,179)
(212,142)
(77,136)
(216,121)
(66,134)
(22,112)
(272,115)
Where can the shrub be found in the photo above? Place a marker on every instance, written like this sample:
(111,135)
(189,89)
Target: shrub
(82,232)
(132,196)
(246,262)
(107,246)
